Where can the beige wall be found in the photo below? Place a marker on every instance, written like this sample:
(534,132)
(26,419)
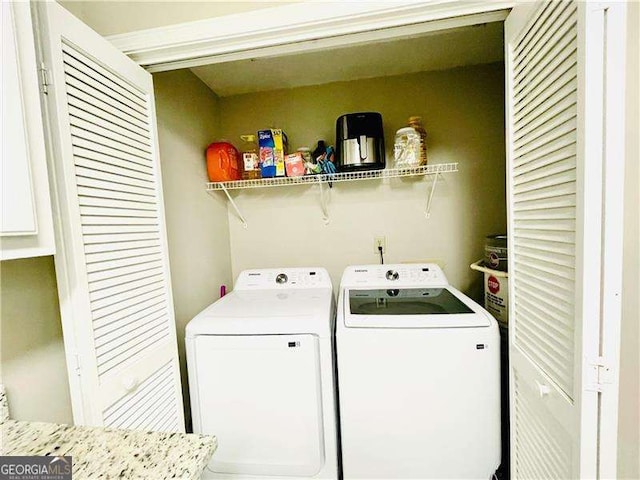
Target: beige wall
(33,366)
(113,17)
(463,111)
(197,223)
(629,419)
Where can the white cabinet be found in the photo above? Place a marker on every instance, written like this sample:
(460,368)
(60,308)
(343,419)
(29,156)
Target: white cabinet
(26,227)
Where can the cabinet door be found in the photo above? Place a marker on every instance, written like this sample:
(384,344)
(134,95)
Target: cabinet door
(25,217)
(112,265)
(561,172)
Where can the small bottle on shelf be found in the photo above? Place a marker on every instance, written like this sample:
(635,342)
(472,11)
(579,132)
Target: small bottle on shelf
(249,162)
(416,124)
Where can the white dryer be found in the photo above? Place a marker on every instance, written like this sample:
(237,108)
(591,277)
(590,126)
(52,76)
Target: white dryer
(261,376)
(418,376)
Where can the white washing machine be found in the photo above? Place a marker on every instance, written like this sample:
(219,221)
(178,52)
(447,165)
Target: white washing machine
(418,376)
(261,376)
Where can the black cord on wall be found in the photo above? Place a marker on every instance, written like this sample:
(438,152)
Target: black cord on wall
(381,256)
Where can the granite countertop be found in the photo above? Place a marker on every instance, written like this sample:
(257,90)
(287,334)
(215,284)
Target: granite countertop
(104,453)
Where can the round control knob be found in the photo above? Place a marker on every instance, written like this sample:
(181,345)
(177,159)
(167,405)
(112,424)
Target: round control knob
(392,275)
(282,278)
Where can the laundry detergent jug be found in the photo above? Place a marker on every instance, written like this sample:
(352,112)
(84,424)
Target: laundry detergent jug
(222,162)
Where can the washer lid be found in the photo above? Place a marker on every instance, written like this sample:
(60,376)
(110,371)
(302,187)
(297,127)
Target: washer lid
(430,307)
(256,312)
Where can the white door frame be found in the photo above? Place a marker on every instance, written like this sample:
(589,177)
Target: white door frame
(309,26)
(313,26)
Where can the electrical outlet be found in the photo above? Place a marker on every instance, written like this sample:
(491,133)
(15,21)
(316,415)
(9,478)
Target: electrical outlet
(380,241)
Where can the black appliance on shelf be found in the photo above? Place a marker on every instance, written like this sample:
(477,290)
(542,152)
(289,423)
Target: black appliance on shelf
(360,142)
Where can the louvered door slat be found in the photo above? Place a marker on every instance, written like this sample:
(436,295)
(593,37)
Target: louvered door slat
(556,201)
(118,318)
(128,283)
(108,182)
(115,148)
(554,213)
(130,329)
(113,203)
(108,267)
(103,260)
(527,136)
(105,113)
(549,247)
(546,256)
(106,314)
(104,227)
(97,127)
(548,45)
(551,191)
(545,448)
(561,126)
(96,117)
(114,359)
(99,167)
(533,435)
(544,314)
(104,108)
(125,248)
(74,69)
(116,212)
(535,165)
(83,77)
(552,289)
(560,79)
(90,94)
(118,273)
(106,332)
(538,118)
(525,42)
(99,160)
(112,350)
(105,75)
(123,409)
(85,141)
(153,392)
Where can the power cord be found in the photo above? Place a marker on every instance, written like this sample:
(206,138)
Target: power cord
(381,256)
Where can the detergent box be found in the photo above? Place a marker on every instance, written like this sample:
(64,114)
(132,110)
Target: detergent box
(272,147)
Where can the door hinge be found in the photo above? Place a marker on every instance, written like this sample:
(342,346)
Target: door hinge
(44,78)
(77,368)
(600,374)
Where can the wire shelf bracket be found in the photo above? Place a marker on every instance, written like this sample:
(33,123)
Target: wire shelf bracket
(322,180)
(427,210)
(235,207)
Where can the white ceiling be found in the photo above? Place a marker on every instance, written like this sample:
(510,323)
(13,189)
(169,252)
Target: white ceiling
(439,50)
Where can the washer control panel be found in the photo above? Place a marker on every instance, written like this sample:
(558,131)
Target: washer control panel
(273,278)
(427,274)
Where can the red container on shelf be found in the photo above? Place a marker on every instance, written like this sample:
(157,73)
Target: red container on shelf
(222,162)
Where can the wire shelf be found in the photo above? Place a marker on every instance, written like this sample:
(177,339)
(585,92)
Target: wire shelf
(335,177)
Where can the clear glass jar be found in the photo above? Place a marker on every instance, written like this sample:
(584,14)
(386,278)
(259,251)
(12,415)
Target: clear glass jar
(406,148)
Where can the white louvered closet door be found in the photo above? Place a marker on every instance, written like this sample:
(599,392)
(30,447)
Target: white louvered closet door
(556,163)
(112,264)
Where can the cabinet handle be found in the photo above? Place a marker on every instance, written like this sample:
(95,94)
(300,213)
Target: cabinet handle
(543,390)
(130,383)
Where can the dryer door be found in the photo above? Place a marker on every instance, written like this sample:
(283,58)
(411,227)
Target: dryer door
(260,395)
